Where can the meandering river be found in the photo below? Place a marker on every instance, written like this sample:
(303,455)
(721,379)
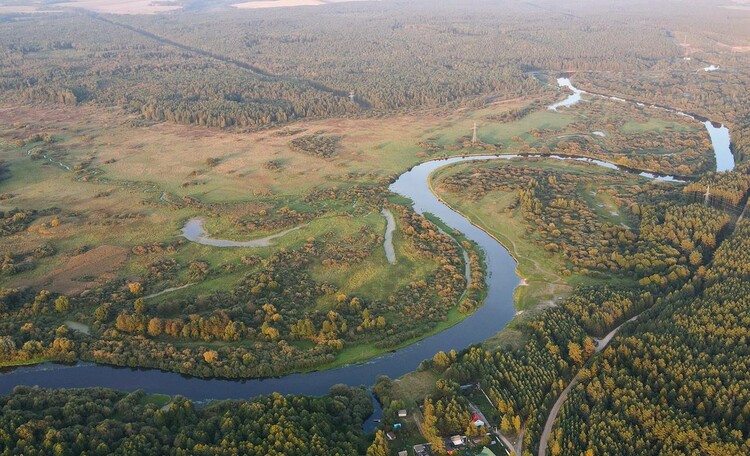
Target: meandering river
(719,134)
(494,315)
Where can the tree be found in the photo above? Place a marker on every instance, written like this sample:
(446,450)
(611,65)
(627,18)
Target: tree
(7,345)
(62,304)
(575,353)
(506,425)
(696,258)
(154,327)
(589,347)
(379,446)
(135,288)
(441,360)
(102,312)
(140,306)
(211,356)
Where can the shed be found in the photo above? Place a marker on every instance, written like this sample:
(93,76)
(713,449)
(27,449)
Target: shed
(421,450)
(402,413)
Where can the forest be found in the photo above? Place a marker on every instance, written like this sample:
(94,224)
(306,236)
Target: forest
(101,422)
(674,383)
(260,71)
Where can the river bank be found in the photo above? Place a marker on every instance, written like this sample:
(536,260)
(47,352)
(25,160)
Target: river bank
(498,310)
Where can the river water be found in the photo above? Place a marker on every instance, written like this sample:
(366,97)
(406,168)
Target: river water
(493,316)
(485,322)
(195,232)
(390,252)
(572,99)
(719,134)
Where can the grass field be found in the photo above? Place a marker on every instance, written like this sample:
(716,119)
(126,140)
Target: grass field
(159,400)
(369,276)
(26,362)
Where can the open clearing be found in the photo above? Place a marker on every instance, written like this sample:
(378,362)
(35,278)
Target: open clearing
(82,271)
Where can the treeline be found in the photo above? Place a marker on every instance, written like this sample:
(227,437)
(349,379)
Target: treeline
(456,51)
(106,422)
(726,190)
(114,66)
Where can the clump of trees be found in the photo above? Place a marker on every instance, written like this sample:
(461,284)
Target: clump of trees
(103,421)
(318,145)
(15,220)
(255,328)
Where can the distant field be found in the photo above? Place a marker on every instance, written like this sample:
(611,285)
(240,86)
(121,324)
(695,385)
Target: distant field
(258,4)
(125,6)
(100,6)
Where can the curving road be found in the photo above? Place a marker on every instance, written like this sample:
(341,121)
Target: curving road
(601,344)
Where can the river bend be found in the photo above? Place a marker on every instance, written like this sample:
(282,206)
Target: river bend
(494,315)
